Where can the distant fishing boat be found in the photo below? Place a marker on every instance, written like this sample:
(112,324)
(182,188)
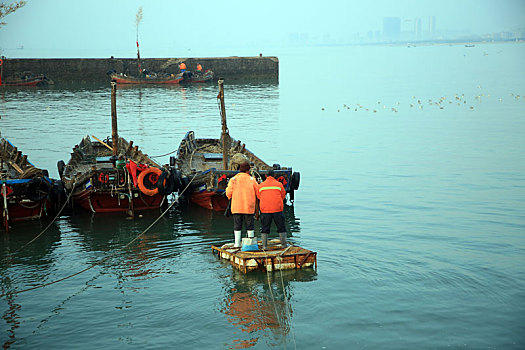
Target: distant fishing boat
(26,192)
(210,163)
(163,78)
(145,77)
(27,79)
(115,176)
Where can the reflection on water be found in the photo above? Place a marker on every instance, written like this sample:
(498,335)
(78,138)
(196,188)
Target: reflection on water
(260,305)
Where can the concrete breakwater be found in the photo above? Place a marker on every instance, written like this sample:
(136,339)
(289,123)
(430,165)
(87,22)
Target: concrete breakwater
(93,70)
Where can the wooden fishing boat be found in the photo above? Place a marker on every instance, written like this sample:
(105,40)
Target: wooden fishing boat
(103,183)
(122,78)
(163,78)
(210,163)
(26,191)
(115,176)
(26,80)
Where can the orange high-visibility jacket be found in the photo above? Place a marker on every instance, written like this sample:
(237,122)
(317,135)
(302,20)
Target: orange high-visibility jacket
(182,65)
(271,194)
(241,190)
(199,67)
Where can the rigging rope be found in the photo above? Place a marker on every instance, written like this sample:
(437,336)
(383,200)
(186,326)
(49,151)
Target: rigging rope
(101,260)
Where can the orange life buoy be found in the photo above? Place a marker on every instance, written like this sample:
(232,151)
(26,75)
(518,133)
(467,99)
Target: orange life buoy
(152,175)
(1,61)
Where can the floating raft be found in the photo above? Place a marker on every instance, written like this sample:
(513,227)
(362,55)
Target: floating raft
(274,258)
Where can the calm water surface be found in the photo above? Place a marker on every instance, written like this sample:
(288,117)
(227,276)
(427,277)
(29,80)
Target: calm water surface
(412,193)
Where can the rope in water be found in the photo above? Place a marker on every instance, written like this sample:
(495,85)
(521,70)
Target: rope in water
(48,226)
(101,260)
(286,305)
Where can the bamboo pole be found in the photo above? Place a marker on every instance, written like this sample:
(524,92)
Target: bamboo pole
(225,135)
(114,132)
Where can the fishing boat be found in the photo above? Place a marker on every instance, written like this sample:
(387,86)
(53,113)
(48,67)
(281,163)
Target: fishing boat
(146,77)
(115,176)
(27,80)
(26,191)
(155,78)
(163,78)
(208,164)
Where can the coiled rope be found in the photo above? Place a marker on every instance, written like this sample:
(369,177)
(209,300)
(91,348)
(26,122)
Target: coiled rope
(104,259)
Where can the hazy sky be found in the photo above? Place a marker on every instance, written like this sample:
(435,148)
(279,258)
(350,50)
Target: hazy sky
(99,28)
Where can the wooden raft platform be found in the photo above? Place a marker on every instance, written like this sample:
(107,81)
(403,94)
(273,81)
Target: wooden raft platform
(274,258)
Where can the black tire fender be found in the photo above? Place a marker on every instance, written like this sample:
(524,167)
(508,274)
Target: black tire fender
(296,179)
(38,189)
(61,167)
(164,183)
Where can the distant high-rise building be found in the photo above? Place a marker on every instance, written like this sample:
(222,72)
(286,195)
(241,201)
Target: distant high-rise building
(417,28)
(391,28)
(432,26)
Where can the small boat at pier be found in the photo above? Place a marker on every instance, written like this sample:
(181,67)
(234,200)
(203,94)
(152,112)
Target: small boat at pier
(27,79)
(163,78)
(209,164)
(26,191)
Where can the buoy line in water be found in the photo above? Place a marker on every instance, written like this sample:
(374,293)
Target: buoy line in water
(45,229)
(285,297)
(107,257)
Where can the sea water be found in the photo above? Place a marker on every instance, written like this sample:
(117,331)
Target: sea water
(412,194)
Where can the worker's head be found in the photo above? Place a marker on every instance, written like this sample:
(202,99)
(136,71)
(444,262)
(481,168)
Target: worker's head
(244,167)
(270,173)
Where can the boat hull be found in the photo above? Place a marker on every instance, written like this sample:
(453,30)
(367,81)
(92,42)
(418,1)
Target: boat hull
(121,79)
(211,200)
(26,210)
(108,202)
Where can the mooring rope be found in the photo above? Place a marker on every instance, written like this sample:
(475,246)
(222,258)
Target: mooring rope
(48,226)
(104,259)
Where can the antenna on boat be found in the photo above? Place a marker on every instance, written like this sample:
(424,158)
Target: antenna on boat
(114,132)
(225,136)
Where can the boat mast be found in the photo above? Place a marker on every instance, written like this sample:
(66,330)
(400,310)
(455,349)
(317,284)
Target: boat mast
(225,136)
(138,18)
(114,132)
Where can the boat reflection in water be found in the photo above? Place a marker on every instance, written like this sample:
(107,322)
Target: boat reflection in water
(260,305)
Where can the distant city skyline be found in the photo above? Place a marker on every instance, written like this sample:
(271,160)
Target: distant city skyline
(60,28)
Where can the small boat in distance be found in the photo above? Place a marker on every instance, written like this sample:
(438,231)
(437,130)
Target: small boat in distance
(27,79)
(210,163)
(26,192)
(162,78)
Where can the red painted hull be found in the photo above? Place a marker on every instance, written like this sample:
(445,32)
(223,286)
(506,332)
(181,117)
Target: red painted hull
(26,211)
(106,202)
(23,83)
(210,200)
(130,80)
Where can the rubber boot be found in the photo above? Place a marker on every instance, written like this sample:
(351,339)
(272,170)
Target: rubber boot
(251,233)
(282,236)
(264,237)
(237,235)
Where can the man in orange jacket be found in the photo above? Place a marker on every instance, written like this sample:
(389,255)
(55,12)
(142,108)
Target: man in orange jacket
(271,194)
(241,190)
